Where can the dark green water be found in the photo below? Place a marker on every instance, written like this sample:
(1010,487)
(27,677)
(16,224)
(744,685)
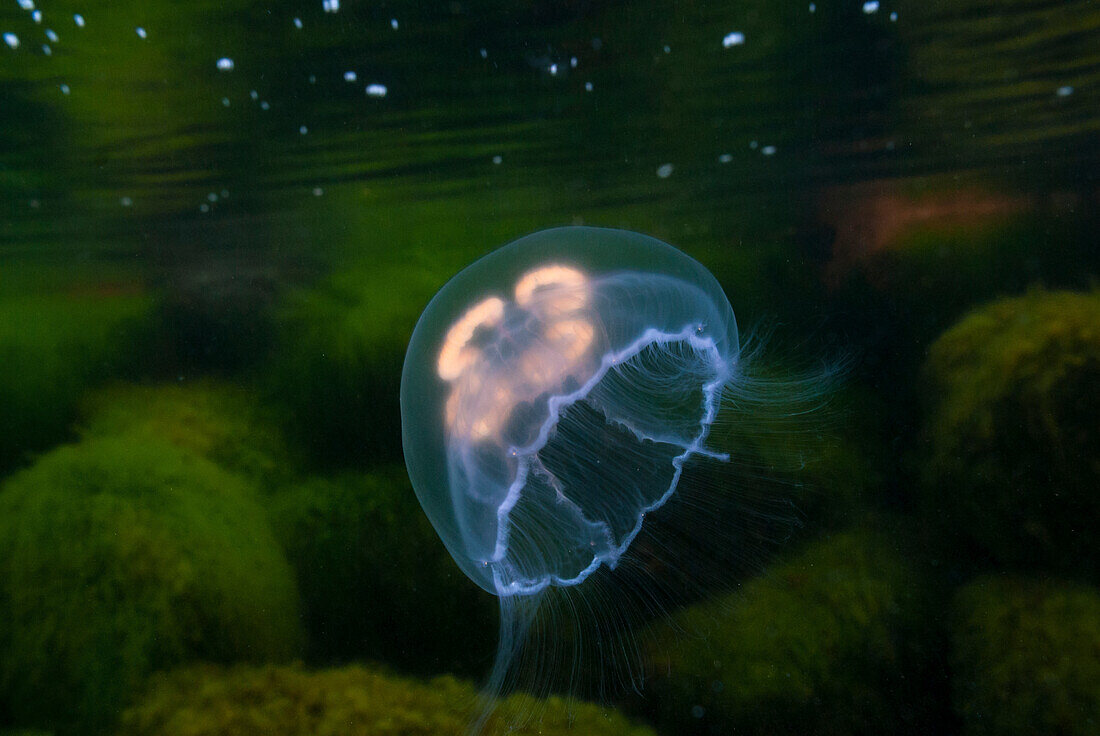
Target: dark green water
(251,202)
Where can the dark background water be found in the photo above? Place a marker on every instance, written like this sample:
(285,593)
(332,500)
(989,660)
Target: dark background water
(857,175)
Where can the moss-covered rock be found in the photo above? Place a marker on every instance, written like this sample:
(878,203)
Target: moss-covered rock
(353,701)
(220,421)
(54,346)
(1026,658)
(830,642)
(1011,435)
(376,581)
(120,556)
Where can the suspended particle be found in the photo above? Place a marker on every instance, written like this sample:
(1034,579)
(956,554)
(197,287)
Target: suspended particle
(736,38)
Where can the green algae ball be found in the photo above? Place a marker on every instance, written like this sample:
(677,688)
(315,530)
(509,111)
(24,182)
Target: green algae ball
(827,642)
(1011,438)
(1026,658)
(352,701)
(121,556)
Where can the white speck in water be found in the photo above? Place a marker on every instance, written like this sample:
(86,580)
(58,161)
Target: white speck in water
(52,35)
(484,53)
(350,76)
(204,207)
(253,94)
(376,90)
(11,40)
(125,201)
(768,150)
(141,32)
(753,145)
(225,102)
(871,6)
(667,49)
(553,69)
(572,62)
(225,64)
(36,16)
(664,171)
(298,23)
(79,20)
(725,158)
(736,38)
(394,24)
(47,50)
(265,105)
(303,130)
(64,88)
(498,160)
(313,79)
(587,86)
(893,17)
(318,191)
(212,197)
(26,4)
(1065,91)
(813,7)
(331,6)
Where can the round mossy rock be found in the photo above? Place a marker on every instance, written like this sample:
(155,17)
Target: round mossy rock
(222,422)
(1026,658)
(120,556)
(352,701)
(832,641)
(1011,437)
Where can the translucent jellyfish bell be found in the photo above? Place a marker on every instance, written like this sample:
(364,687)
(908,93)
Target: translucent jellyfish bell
(565,402)
(551,394)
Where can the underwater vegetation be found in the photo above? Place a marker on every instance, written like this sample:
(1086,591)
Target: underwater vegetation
(53,347)
(351,701)
(223,422)
(912,257)
(832,640)
(1010,440)
(123,555)
(340,346)
(1026,657)
(358,539)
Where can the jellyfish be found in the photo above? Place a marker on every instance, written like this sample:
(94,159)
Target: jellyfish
(557,395)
